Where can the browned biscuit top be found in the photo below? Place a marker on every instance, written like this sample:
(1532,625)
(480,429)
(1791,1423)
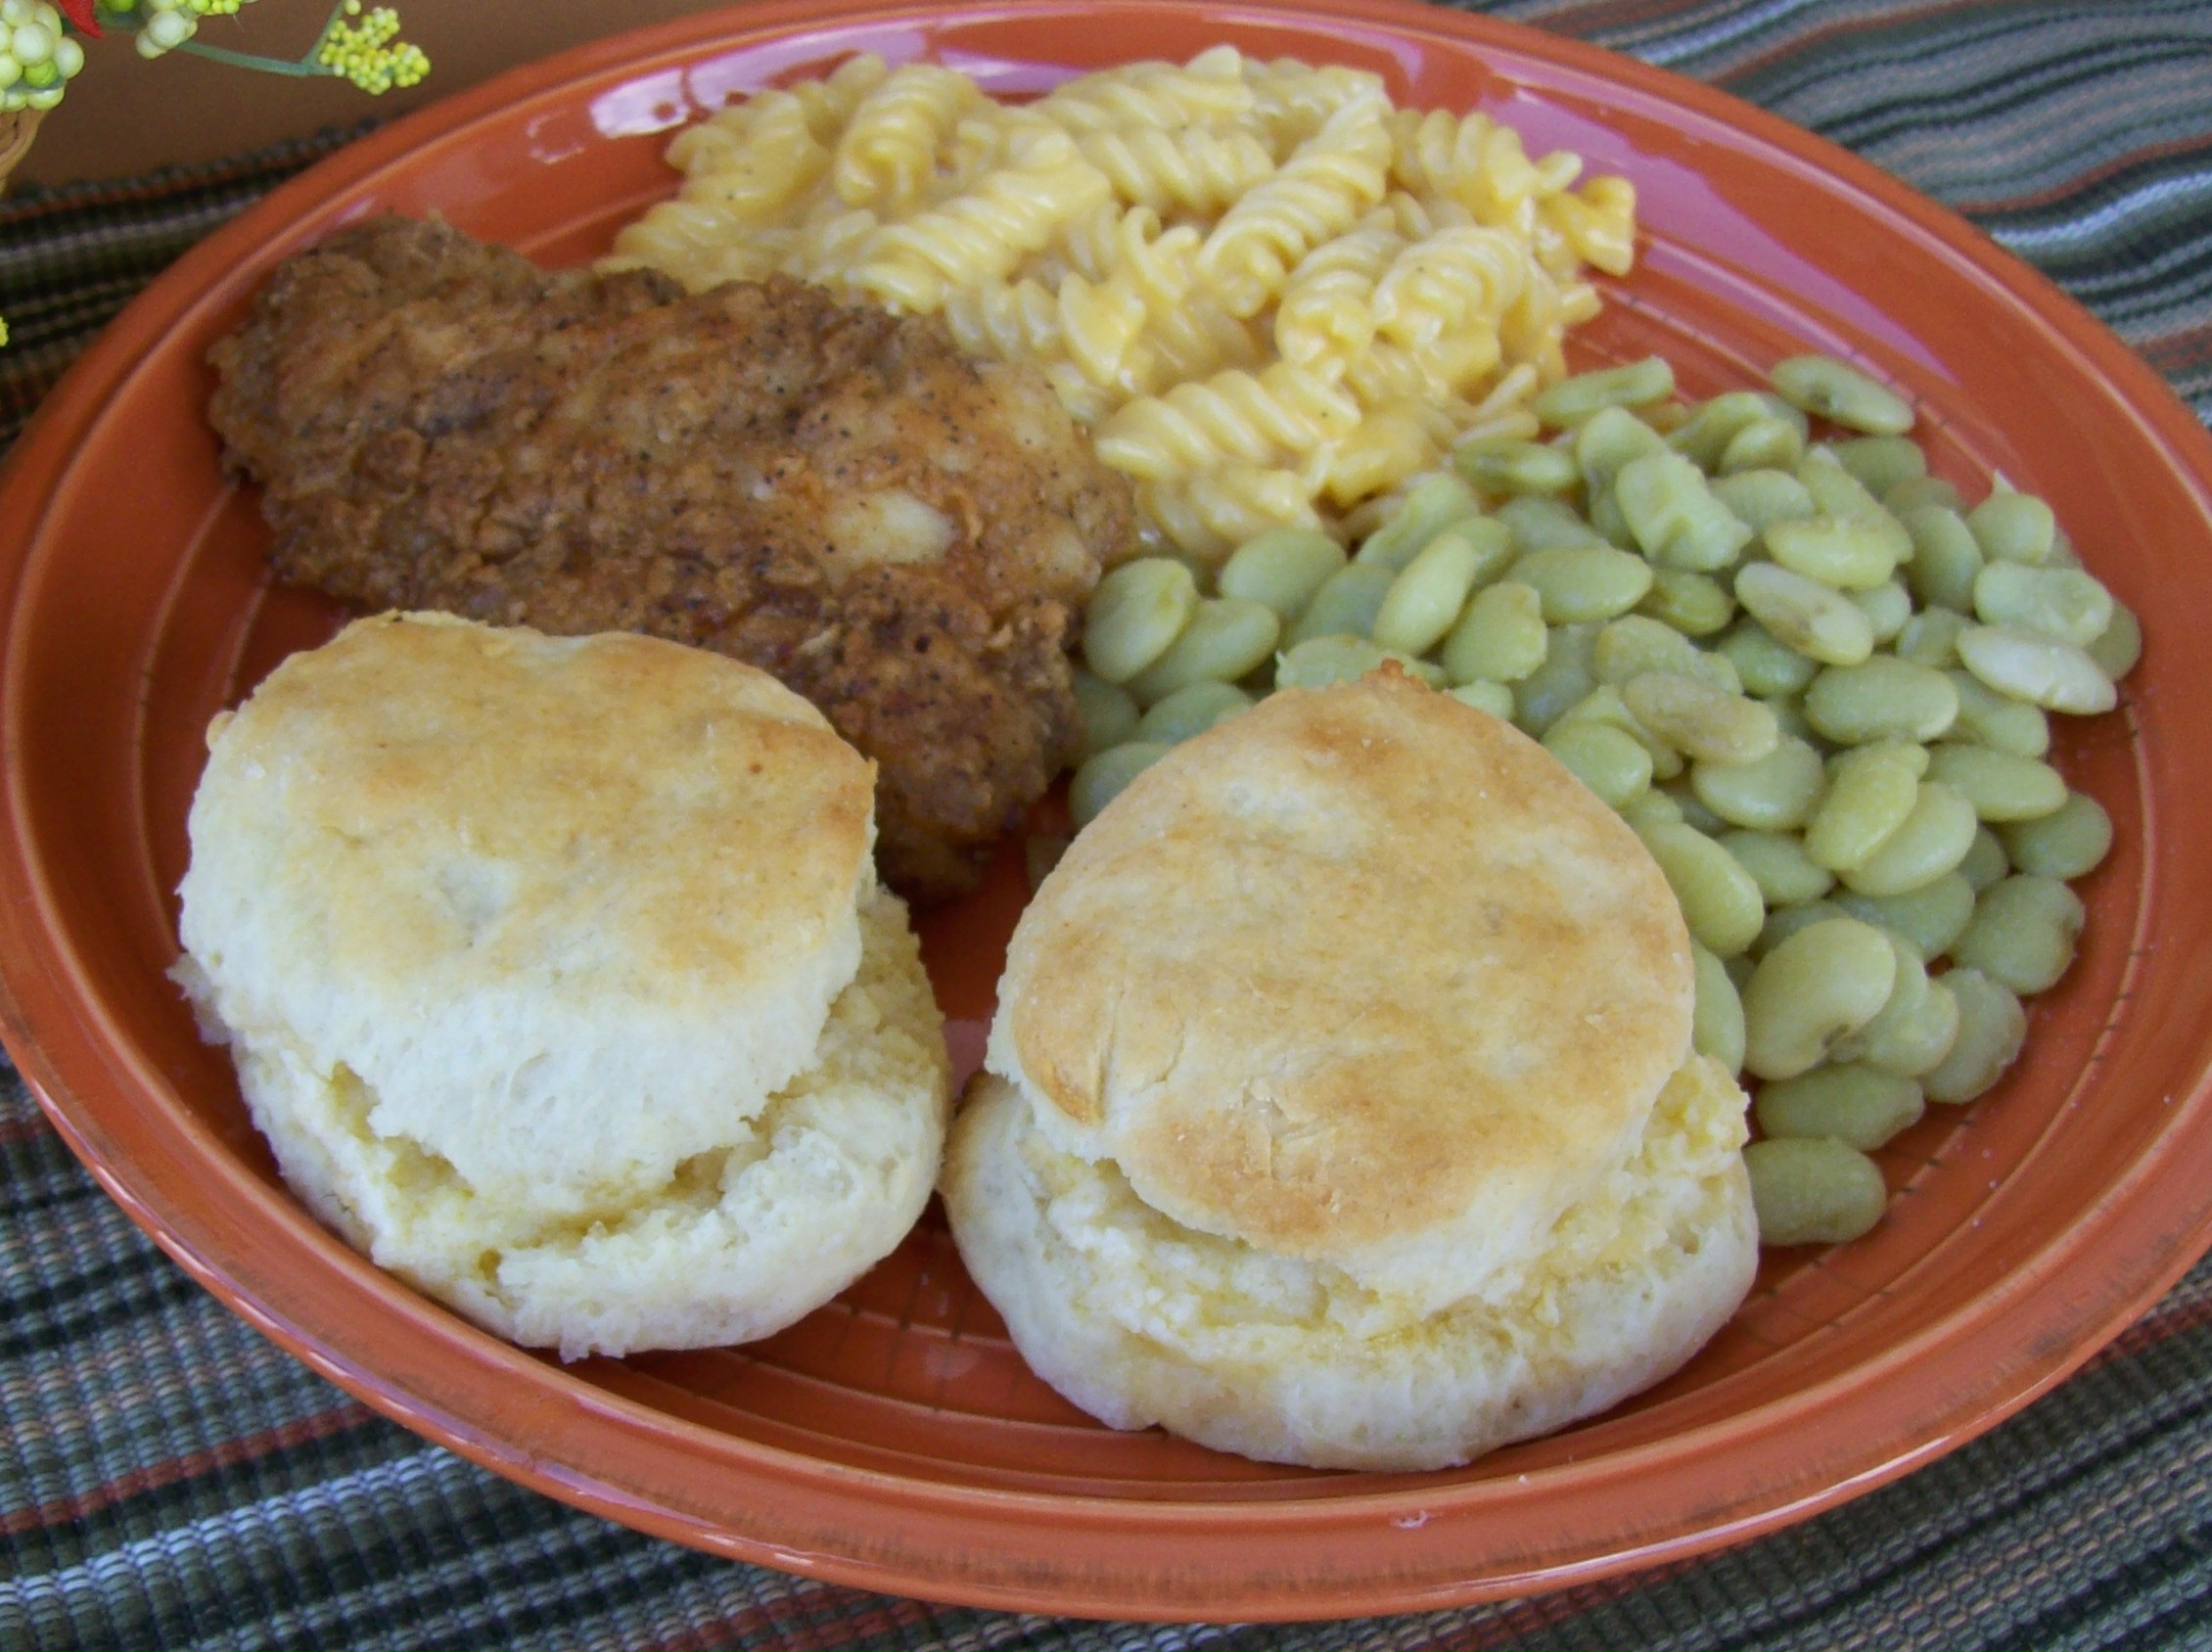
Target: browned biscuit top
(1363,974)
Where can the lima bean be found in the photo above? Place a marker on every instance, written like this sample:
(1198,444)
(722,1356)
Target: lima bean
(1931,638)
(1699,718)
(1109,715)
(1566,676)
(1603,703)
(1840,553)
(1775,793)
(1510,465)
(1102,778)
(1344,605)
(1991,1027)
(2119,646)
(2040,669)
(1585,584)
(1914,491)
(2001,786)
(1191,710)
(1915,1026)
(1695,604)
(1760,498)
(1607,441)
(1764,443)
(1824,982)
(1501,636)
(1871,792)
(1888,608)
(1945,558)
(1859,1105)
(1880,699)
(2059,602)
(1430,504)
(1704,437)
(1135,615)
(1716,1028)
(1777,864)
(1766,665)
(1932,840)
(1842,394)
(1608,761)
(1635,643)
(1424,601)
(1637,384)
(1485,696)
(1670,510)
(1929,919)
(1996,720)
(1805,614)
(1227,637)
(1880,463)
(2070,841)
(1985,863)
(1536,522)
(1283,567)
(2011,526)
(1720,901)
(2023,933)
(1813,1190)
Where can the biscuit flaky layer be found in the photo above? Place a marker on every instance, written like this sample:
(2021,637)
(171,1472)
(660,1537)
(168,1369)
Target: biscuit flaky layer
(737,1242)
(1140,1320)
(1361,975)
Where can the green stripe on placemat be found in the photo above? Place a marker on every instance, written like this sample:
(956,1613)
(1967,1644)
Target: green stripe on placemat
(168,1478)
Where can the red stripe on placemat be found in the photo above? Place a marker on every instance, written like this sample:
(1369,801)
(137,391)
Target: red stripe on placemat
(2076,182)
(869,1617)
(62,1510)
(2159,1325)
(14,1131)
(2176,353)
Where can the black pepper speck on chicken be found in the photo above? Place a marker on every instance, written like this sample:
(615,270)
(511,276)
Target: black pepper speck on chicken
(834,494)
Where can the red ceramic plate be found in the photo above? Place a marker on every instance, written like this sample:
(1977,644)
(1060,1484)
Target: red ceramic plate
(893,1440)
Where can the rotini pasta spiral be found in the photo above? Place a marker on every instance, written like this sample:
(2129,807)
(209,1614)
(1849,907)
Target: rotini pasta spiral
(1449,285)
(1327,311)
(1209,515)
(1285,413)
(1292,101)
(1199,169)
(1326,188)
(1160,95)
(979,236)
(887,156)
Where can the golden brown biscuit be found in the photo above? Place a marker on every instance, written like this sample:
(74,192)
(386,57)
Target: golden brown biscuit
(1363,976)
(605,885)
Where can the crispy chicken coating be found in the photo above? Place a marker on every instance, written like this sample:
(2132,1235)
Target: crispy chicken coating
(834,494)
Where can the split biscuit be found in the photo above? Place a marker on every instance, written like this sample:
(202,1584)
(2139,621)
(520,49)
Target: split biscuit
(1340,1106)
(556,974)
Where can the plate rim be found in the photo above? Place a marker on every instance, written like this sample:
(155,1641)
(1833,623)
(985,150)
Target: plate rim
(36,989)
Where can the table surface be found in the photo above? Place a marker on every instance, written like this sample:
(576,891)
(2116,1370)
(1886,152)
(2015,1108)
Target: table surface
(169,1478)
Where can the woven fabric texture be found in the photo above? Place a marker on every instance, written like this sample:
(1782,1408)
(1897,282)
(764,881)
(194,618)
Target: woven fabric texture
(170,1479)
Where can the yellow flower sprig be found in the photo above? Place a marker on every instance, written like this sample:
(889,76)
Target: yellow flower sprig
(364,48)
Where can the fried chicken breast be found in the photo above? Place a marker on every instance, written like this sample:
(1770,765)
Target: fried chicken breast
(836,495)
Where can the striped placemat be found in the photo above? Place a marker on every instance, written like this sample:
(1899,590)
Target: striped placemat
(168,1478)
